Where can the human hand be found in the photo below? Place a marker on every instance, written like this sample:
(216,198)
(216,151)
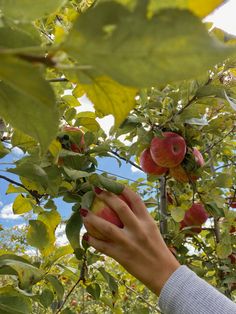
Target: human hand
(138,246)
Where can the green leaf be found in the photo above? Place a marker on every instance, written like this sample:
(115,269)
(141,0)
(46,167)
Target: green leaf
(31,171)
(56,285)
(108,184)
(46,297)
(22,204)
(223,180)
(3,151)
(24,10)
(223,250)
(27,97)
(27,274)
(109,97)
(51,219)
(94,290)
(177,213)
(11,38)
(39,236)
(87,199)
(23,141)
(13,302)
(58,253)
(73,226)
(110,280)
(174,45)
(75,174)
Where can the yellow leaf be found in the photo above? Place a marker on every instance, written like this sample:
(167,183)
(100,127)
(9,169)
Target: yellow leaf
(202,7)
(55,148)
(110,97)
(22,205)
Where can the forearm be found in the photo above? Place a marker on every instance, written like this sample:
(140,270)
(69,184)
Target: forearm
(186,293)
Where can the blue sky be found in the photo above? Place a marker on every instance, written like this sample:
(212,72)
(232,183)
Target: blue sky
(8,219)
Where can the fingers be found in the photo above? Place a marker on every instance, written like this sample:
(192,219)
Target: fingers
(126,215)
(135,202)
(102,229)
(101,246)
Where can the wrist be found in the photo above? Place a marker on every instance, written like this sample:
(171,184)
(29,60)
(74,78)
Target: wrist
(167,264)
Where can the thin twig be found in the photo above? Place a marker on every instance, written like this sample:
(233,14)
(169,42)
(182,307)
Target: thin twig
(81,278)
(127,160)
(154,308)
(219,141)
(59,79)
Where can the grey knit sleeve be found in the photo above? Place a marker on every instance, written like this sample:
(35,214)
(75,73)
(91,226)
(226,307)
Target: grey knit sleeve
(186,293)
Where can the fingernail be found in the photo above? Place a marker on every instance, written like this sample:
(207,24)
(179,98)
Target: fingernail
(97,190)
(83,212)
(86,237)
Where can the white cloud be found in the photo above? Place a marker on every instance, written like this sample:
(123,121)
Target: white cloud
(1,203)
(224,17)
(60,234)
(7,212)
(134,169)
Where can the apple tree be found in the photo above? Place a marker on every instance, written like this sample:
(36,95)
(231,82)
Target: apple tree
(169,80)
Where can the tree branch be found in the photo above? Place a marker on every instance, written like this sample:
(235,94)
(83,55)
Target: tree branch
(22,186)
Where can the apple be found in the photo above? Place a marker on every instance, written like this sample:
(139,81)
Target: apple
(232,202)
(149,166)
(198,157)
(232,258)
(101,209)
(194,162)
(196,215)
(168,150)
(72,138)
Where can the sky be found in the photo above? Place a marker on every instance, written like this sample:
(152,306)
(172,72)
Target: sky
(224,18)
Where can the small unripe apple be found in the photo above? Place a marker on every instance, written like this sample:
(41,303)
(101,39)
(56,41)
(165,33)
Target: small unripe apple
(149,166)
(168,150)
(196,215)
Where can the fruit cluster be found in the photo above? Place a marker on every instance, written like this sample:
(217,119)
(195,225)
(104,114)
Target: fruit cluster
(169,153)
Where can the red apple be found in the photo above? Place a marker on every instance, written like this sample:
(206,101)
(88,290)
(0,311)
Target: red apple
(168,150)
(101,209)
(232,258)
(149,166)
(198,157)
(232,202)
(196,215)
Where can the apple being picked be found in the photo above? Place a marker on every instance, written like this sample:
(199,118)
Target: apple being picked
(196,215)
(101,209)
(149,166)
(168,150)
